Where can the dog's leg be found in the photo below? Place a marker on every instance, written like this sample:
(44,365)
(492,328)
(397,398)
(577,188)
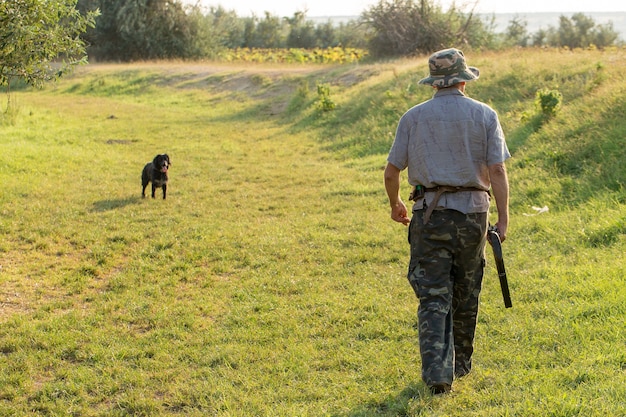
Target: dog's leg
(164,187)
(145,179)
(153,190)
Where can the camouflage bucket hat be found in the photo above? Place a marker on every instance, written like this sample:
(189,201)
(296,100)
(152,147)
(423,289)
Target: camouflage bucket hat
(448,67)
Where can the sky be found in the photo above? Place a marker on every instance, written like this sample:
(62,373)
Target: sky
(315,8)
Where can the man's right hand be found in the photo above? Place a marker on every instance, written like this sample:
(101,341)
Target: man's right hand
(500,186)
(501,226)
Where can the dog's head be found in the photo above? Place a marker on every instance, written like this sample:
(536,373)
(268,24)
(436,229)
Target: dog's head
(162,162)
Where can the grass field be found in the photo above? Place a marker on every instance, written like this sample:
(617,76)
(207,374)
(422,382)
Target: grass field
(271,282)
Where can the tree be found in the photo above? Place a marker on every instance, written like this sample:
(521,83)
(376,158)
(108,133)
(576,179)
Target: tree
(35,34)
(153,29)
(353,34)
(405,27)
(215,31)
(581,31)
(567,34)
(301,32)
(540,37)
(131,30)
(227,27)
(605,35)
(516,33)
(268,33)
(326,35)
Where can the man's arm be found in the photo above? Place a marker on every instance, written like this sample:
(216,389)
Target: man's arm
(500,187)
(392,186)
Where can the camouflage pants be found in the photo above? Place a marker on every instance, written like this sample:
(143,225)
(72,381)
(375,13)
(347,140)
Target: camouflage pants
(446,271)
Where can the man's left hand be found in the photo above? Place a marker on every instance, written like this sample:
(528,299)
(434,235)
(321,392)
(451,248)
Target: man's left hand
(399,214)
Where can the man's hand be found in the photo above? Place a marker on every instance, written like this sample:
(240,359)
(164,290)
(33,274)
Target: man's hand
(501,226)
(500,186)
(399,213)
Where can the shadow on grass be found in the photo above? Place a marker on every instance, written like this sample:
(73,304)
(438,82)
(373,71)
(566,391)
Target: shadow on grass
(114,204)
(518,137)
(402,404)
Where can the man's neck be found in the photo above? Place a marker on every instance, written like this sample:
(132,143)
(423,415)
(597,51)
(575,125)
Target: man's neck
(458,86)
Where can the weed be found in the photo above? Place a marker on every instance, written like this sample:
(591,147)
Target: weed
(549,101)
(324,102)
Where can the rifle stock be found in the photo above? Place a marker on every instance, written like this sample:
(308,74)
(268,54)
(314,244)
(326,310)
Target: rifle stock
(494,240)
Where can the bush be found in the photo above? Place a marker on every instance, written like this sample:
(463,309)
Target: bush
(549,101)
(324,102)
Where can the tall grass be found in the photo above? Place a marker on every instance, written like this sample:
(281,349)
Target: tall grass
(271,281)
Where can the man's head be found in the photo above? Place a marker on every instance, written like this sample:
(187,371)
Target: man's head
(448,68)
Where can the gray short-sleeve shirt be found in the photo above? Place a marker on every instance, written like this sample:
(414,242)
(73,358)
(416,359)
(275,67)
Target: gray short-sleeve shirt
(450,139)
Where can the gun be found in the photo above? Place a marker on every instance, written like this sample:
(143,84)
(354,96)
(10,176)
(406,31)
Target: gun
(493,236)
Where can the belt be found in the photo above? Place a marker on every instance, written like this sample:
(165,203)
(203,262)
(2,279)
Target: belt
(439,190)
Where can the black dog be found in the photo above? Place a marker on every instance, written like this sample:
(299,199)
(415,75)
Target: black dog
(156,173)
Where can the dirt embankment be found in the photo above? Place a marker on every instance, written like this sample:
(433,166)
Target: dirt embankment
(244,77)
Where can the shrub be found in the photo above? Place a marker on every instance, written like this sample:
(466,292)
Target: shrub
(324,102)
(549,101)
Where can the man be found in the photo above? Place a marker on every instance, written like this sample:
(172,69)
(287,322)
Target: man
(454,149)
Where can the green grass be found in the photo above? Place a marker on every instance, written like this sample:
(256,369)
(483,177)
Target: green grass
(271,282)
